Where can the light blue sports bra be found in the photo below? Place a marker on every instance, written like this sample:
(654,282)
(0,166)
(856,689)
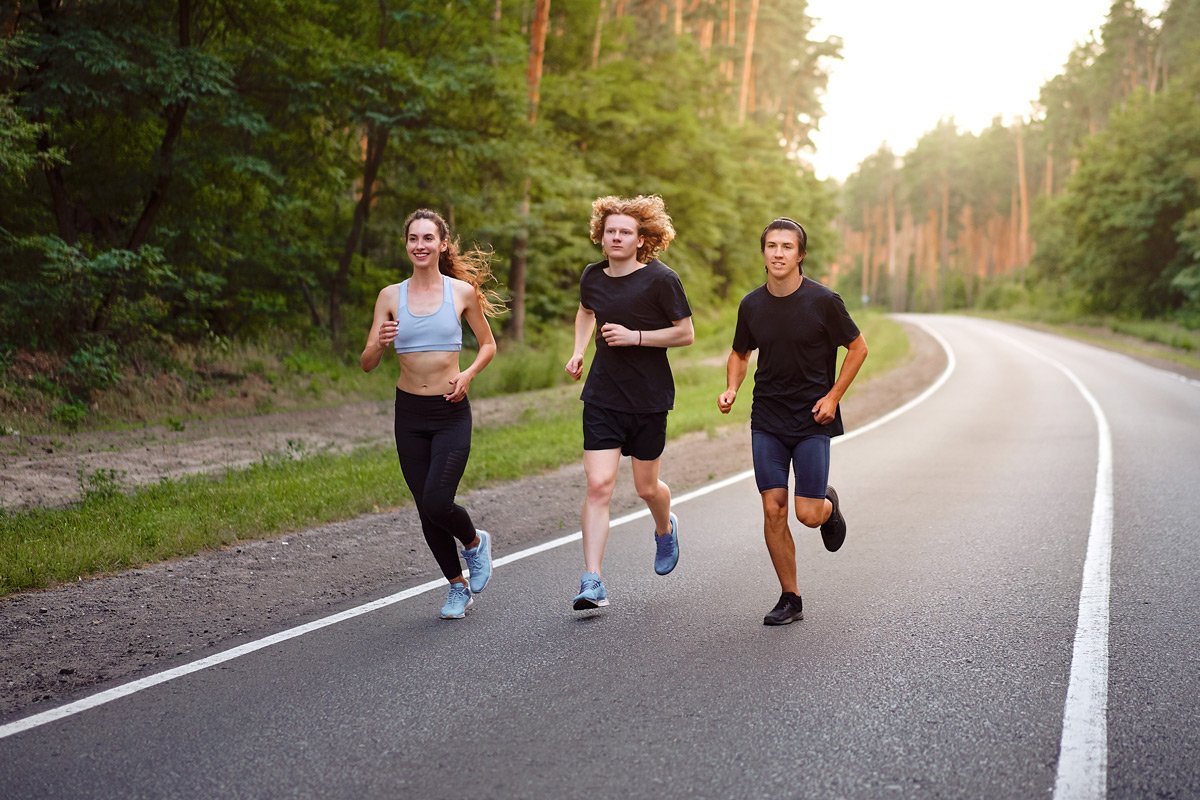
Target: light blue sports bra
(440,330)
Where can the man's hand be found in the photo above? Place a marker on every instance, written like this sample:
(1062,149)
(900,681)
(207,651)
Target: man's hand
(725,401)
(825,410)
(575,366)
(618,335)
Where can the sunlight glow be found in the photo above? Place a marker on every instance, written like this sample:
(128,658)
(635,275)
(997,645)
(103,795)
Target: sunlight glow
(906,65)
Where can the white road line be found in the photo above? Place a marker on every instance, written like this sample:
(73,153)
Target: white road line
(1083,751)
(133,687)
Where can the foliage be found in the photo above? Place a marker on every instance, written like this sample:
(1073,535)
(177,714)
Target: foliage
(1091,204)
(1126,209)
(177,173)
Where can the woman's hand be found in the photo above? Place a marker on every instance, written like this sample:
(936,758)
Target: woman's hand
(458,387)
(387,333)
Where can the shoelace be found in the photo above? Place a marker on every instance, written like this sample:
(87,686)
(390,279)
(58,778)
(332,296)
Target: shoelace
(474,560)
(663,543)
(590,584)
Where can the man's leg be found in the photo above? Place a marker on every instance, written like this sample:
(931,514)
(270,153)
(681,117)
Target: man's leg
(813,512)
(810,460)
(600,467)
(654,492)
(779,538)
(817,503)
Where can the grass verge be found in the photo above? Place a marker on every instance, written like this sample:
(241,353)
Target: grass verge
(109,531)
(1138,338)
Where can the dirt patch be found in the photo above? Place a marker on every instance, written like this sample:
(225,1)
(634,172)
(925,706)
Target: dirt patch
(50,470)
(58,643)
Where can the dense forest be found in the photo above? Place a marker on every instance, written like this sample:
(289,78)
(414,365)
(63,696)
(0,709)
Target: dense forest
(206,169)
(1088,205)
(208,172)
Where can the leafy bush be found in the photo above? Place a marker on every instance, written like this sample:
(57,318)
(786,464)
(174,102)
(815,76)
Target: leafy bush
(1003,296)
(91,369)
(69,414)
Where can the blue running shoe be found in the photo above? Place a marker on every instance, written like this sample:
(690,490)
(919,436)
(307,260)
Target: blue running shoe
(591,592)
(668,549)
(457,602)
(479,562)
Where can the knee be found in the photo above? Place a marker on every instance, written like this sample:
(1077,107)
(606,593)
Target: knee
(438,509)
(775,513)
(600,489)
(811,515)
(649,491)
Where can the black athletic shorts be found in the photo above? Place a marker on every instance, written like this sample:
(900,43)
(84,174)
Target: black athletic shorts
(642,436)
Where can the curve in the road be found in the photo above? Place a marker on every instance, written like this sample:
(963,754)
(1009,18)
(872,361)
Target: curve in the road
(1083,752)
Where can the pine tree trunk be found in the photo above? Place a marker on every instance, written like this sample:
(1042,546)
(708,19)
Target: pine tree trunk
(730,37)
(1014,231)
(533,77)
(598,32)
(747,63)
(377,138)
(1023,189)
(943,243)
(868,283)
(1049,182)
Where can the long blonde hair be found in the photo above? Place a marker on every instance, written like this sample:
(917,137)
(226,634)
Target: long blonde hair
(654,223)
(474,266)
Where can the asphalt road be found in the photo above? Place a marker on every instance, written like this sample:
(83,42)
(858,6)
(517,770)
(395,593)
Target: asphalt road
(934,658)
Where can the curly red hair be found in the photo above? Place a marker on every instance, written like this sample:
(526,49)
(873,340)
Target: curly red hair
(654,223)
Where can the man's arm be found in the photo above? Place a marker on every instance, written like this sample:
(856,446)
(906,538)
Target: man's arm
(826,408)
(585,323)
(680,334)
(735,372)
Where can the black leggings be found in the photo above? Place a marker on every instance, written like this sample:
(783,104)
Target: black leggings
(433,440)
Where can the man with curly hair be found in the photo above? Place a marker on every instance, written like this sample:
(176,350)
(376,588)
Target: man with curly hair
(640,307)
(797,326)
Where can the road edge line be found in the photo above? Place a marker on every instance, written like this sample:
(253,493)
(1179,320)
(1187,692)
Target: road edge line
(126,689)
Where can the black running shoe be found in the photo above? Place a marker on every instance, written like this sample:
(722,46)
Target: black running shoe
(789,609)
(833,531)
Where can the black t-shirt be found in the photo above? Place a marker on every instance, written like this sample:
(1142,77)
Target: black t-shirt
(797,338)
(632,379)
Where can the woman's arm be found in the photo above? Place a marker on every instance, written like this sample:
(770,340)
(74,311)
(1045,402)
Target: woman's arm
(473,311)
(383,329)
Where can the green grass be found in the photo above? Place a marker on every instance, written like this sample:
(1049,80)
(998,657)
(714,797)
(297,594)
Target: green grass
(109,531)
(1179,344)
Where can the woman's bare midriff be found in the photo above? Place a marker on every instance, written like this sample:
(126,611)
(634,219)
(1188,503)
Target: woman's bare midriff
(427,373)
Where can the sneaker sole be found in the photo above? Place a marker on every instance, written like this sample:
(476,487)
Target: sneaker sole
(787,621)
(487,542)
(583,604)
(466,608)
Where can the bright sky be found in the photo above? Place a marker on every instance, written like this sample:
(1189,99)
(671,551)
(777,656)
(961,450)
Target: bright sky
(907,64)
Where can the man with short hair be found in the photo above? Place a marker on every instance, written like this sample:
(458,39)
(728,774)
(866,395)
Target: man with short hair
(797,325)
